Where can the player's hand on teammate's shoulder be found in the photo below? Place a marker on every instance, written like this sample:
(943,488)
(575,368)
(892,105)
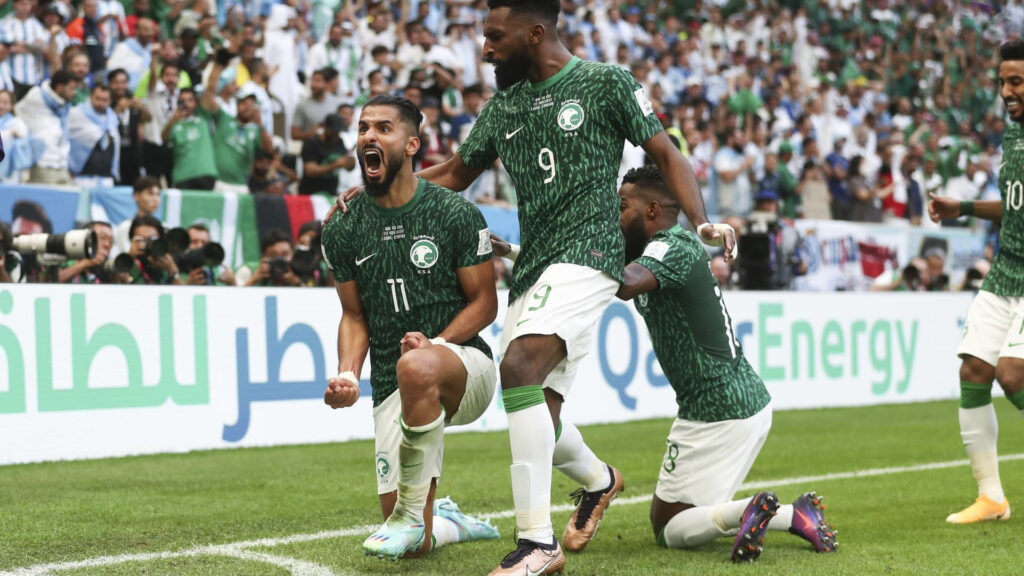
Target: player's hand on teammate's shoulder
(500,246)
(942,207)
(414,341)
(721,235)
(342,391)
(342,202)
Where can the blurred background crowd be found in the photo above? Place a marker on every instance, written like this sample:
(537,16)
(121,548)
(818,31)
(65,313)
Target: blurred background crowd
(852,110)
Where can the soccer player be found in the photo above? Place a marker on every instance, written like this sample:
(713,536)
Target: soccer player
(558,124)
(416,282)
(724,409)
(992,341)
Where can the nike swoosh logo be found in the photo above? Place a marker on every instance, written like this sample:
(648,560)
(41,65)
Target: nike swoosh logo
(542,568)
(511,134)
(1012,344)
(361,260)
(522,321)
(1001,165)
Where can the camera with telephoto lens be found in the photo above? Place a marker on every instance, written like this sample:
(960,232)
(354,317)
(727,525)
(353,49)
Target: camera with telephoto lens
(211,254)
(122,263)
(76,244)
(278,268)
(174,240)
(303,261)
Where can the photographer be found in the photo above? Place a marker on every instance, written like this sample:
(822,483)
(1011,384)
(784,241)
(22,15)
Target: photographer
(5,245)
(308,260)
(91,270)
(206,275)
(153,265)
(275,267)
(770,255)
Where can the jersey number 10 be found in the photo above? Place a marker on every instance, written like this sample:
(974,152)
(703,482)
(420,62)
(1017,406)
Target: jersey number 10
(1014,195)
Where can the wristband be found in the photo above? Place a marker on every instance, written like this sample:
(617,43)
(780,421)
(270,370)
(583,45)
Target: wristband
(513,252)
(438,341)
(720,241)
(967,208)
(350,376)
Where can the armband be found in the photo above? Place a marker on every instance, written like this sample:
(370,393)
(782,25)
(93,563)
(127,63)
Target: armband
(513,252)
(967,208)
(438,341)
(350,376)
(720,241)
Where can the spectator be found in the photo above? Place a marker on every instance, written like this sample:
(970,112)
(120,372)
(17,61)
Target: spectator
(322,156)
(235,141)
(25,41)
(149,267)
(815,201)
(91,270)
(836,168)
(187,133)
(161,101)
(131,115)
(95,137)
(308,260)
(14,136)
(275,265)
(732,175)
(146,194)
(45,110)
(269,176)
(310,113)
(133,54)
(865,207)
(340,53)
(88,32)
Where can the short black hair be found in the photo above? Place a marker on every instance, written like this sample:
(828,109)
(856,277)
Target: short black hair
(544,10)
(61,77)
(33,211)
(99,86)
(145,221)
(275,236)
(649,178)
(310,226)
(1013,50)
(328,73)
(115,72)
(6,237)
(408,112)
(199,226)
(144,183)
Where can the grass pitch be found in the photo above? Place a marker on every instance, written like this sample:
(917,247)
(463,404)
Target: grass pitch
(304,510)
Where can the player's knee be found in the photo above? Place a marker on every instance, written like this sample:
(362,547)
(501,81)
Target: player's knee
(976,370)
(515,372)
(418,374)
(1011,379)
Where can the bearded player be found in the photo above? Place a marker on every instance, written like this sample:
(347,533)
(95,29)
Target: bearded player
(992,342)
(416,282)
(724,408)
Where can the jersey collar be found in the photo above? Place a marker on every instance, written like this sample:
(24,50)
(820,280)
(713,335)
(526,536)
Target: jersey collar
(404,208)
(572,63)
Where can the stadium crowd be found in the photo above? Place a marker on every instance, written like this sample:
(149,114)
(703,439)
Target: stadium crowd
(831,109)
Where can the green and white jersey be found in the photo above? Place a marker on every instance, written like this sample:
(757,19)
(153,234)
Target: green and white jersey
(234,147)
(693,335)
(193,148)
(561,141)
(403,261)
(1006,278)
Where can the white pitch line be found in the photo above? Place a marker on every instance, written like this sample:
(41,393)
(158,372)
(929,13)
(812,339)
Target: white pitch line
(303,568)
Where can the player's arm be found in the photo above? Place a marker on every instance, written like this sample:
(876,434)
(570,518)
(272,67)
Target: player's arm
(477,283)
(353,345)
(453,173)
(946,208)
(679,177)
(638,280)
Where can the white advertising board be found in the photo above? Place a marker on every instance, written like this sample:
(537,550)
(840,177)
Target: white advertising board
(97,371)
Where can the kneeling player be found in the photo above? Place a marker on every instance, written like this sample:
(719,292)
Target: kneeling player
(416,282)
(724,409)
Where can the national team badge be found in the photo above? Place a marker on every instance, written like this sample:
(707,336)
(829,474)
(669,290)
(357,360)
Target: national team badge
(423,253)
(383,467)
(570,117)
(641,299)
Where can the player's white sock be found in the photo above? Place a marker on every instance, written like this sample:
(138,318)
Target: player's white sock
(420,444)
(783,519)
(696,526)
(444,531)
(577,461)
(532,438)
(979,430)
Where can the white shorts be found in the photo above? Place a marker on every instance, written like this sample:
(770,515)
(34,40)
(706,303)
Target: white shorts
(387,426)
(705,462)
(567,300)
(994,328)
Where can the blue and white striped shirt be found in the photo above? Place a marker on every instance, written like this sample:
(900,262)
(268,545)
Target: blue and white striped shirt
(25,68)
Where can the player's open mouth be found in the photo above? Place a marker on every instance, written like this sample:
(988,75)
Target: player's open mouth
(372,161)
(1013,105)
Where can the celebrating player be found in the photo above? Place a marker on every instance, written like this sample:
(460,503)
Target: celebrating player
(724,409)
(416,283)
(558,124)
(992,342)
